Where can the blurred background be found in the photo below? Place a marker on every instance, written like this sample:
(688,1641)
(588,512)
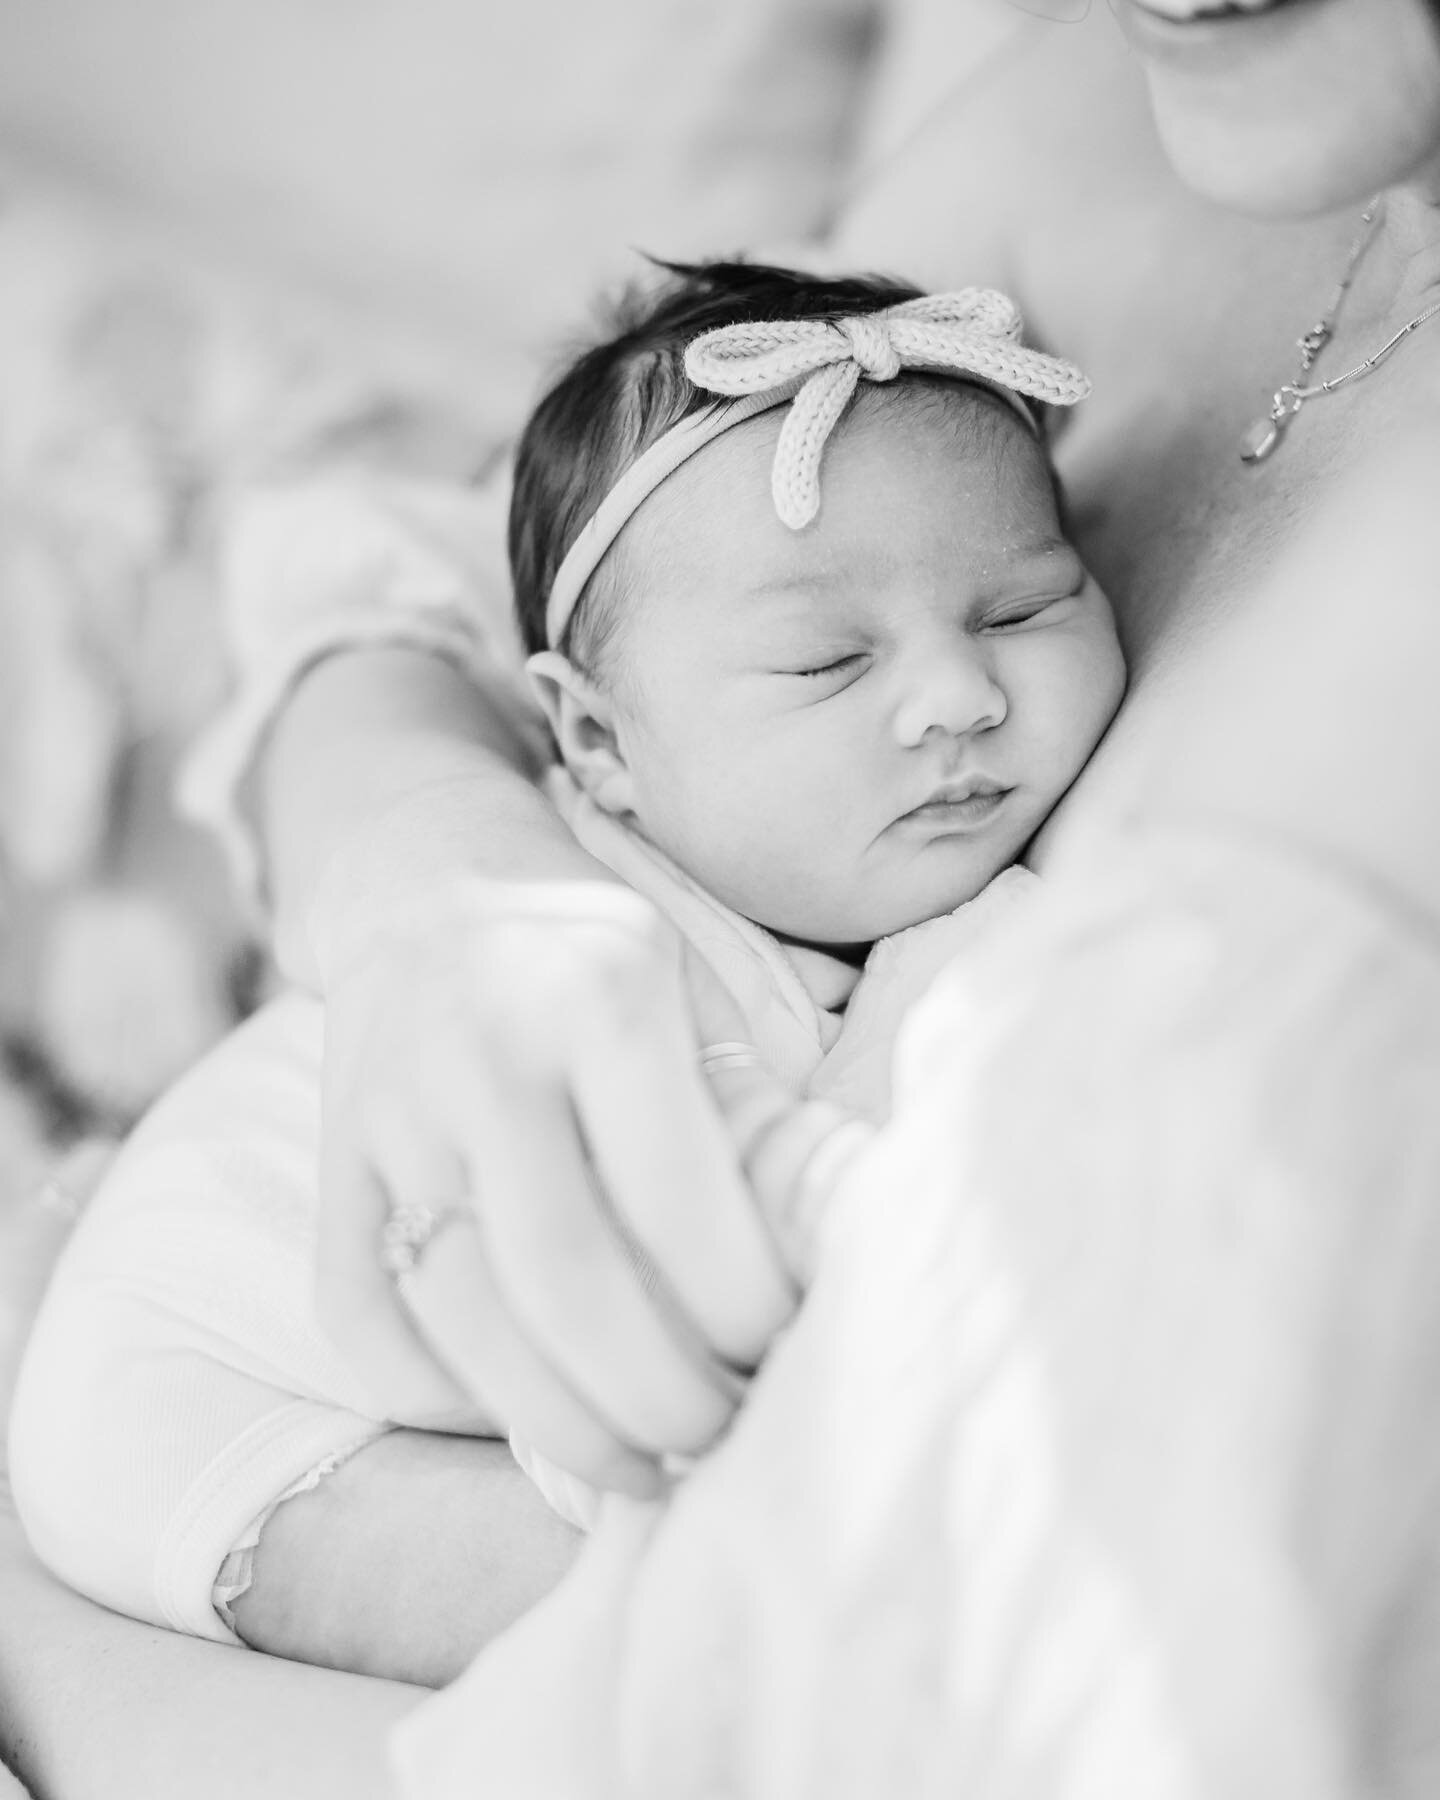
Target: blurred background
(240,237)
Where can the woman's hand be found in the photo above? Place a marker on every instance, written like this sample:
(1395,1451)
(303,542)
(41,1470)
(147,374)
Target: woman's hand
(518,1062)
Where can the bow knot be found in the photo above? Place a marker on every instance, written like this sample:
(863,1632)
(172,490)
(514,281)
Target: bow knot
(972,334)
(871,349)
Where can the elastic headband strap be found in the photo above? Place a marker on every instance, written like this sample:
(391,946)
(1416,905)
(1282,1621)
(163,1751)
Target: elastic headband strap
(635,487)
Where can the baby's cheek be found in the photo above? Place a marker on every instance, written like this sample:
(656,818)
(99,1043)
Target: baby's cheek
(1076,699)
(786,844)
(737,817)
(1105,676)
(1106,691)
(683,756)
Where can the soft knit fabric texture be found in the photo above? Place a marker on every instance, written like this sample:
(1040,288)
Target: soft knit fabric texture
(973,332)
(177,1382)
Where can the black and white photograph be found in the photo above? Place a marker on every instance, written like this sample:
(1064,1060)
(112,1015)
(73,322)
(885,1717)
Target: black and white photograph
(719,899)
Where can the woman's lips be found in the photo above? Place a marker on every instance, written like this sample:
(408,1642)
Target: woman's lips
(1209,35)
(1189,11)
(1150,22)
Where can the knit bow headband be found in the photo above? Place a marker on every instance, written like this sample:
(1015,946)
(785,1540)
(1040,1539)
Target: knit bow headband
(816,364)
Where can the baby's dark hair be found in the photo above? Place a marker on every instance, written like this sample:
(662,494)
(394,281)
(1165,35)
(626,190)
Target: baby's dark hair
(621,395)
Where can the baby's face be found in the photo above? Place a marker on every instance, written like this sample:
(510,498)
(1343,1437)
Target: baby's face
(848,729)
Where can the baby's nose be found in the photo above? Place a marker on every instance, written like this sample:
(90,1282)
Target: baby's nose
(952,692)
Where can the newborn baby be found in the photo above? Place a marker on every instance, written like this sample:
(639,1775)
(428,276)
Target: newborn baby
(818,661)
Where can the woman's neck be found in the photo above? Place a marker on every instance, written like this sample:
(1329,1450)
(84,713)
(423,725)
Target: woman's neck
(1405,257)
(1395,277)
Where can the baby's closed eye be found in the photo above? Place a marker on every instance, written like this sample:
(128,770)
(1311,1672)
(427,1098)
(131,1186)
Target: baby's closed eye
(1033,609)
(845,662)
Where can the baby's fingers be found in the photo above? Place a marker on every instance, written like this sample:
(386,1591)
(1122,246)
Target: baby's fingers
(570,1282)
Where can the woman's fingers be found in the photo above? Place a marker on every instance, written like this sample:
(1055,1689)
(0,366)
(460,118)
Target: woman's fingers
(569,1281)
(661,1145)
(530,1049)
(662,1152)
(454,1298)
(593,1084)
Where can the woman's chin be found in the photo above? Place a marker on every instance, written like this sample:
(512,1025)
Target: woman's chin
(1289,108)
(1273,168)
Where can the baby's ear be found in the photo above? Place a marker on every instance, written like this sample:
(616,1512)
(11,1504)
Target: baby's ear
(582,721)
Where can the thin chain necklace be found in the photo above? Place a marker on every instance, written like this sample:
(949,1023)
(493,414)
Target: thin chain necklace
(1265,435)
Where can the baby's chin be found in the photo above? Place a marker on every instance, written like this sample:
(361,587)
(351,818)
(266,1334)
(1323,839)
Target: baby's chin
(847,930)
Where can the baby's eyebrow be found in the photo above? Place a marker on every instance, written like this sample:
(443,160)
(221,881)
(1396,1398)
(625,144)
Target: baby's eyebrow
(799,586)
(1047,547)
(1033,558)
(804,584)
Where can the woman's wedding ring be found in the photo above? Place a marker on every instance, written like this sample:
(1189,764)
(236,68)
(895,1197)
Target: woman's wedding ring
(408,1230)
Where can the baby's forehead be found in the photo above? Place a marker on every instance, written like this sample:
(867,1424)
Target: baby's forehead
(961,513)
(941,445)
(978,414)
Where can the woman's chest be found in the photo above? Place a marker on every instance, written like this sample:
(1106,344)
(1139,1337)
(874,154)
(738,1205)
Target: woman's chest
(1175,524)
(1181,531)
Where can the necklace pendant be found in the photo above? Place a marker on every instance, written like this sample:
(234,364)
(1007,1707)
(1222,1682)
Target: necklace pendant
(1263,437)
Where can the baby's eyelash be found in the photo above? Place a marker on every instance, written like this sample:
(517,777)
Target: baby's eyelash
(830,668)
(1029,609)
(1018,615)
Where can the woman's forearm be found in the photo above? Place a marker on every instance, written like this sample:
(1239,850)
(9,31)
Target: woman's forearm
(96,1707)
(396,762)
